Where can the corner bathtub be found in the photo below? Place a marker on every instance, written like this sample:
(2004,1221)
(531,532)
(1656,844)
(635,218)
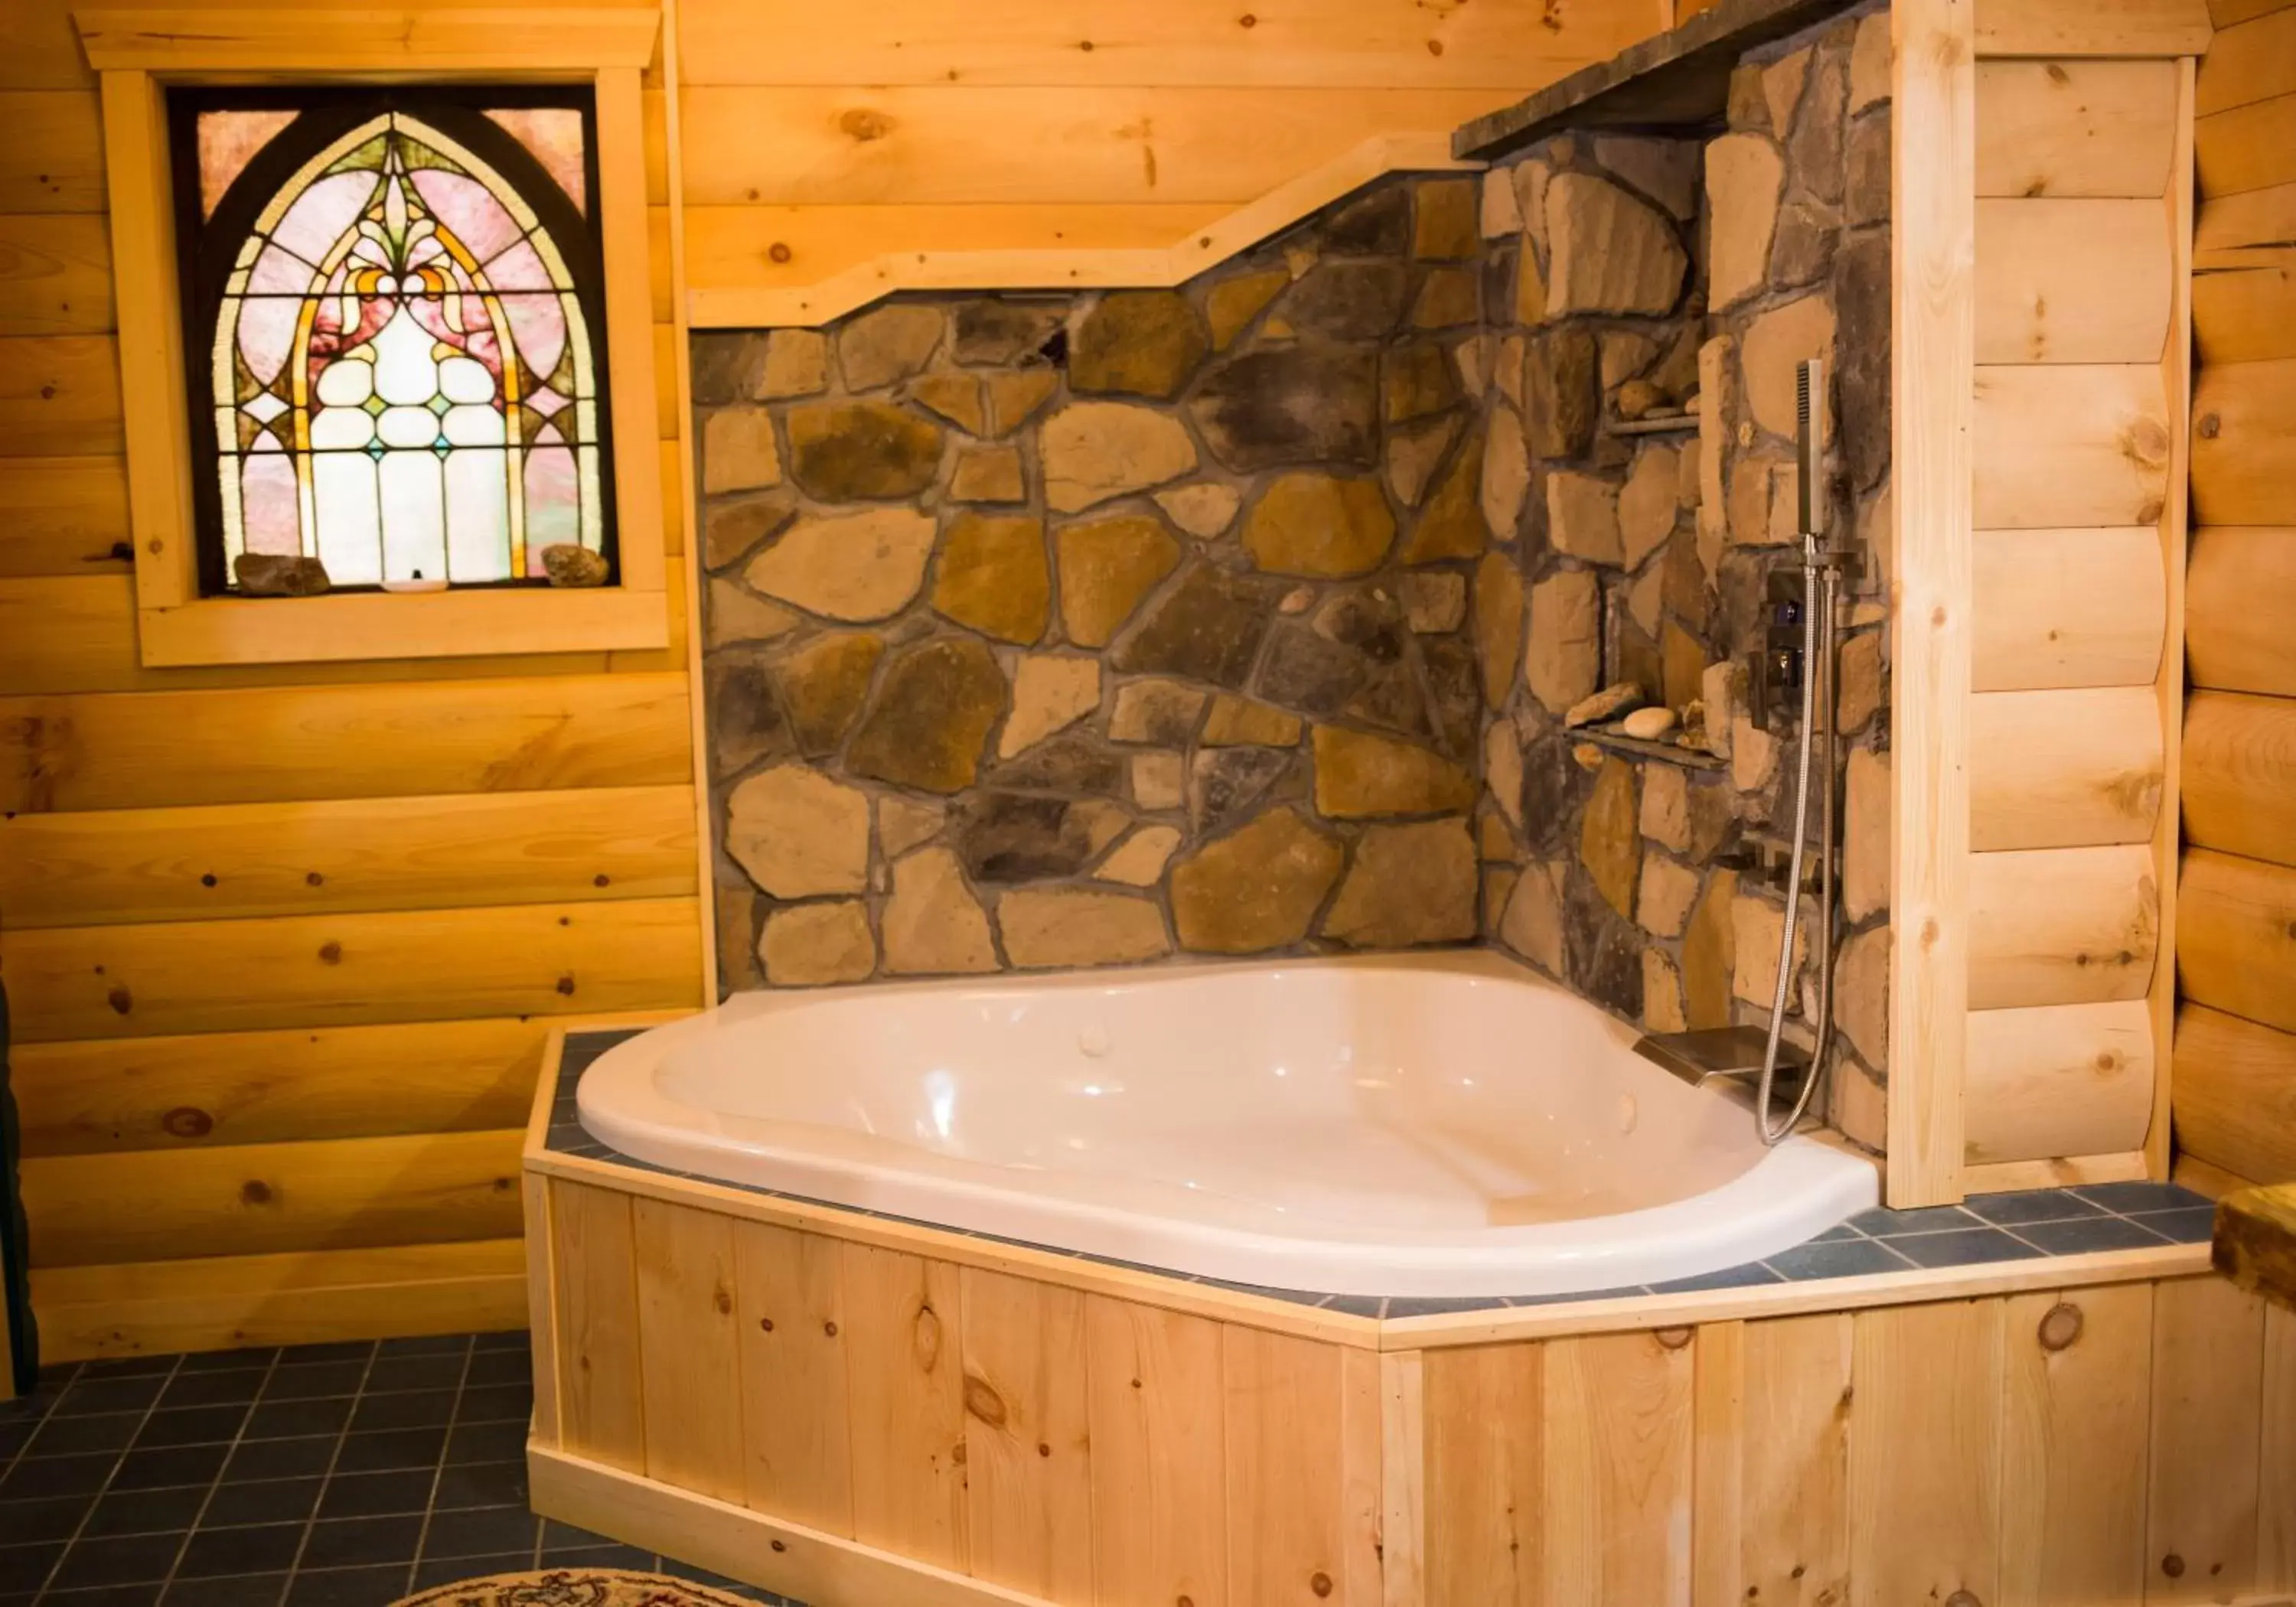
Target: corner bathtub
(1433,1126)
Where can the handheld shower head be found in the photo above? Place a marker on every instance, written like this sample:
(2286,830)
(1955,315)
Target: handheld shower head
(1809,446)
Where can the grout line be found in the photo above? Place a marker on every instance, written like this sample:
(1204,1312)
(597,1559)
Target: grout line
(215,1483)
(439,1469)
(334,1456)
(47,1581)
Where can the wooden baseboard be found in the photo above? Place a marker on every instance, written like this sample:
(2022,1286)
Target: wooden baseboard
(802,1563)
(2071,1171)
(226,1302)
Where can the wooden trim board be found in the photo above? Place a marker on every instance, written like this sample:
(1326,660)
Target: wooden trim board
(562,41)
(833,298)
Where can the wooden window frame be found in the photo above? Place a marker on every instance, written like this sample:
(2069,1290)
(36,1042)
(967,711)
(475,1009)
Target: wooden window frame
(139,54)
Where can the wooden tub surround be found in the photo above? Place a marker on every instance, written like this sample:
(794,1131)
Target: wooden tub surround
(847,1408)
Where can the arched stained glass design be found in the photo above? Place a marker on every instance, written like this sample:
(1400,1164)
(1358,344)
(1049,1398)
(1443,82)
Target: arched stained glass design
(401,357)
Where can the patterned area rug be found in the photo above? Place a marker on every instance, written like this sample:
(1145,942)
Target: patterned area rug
(573,1587)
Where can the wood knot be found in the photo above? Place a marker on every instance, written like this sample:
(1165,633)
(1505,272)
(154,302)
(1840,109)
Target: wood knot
(765,1324)
(331,954)
(724,1302)
(602,879)
(566,986)
(1964,1598)
(208,879)
(1320,1582)
(830,1329)
(1434,47)
(779,251)
(927,1337)
(1185,1600)
(982,1401)
(187,1121)
(777,1544)
(2173,1566)
(121,1000)
(254,1192)
(313,879)
(2060,1325)
(1247,20)
(1043,1449)
(1673,1338)
(865,124)
(2209,425)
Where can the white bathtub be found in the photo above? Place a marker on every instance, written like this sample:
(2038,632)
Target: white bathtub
(1431,1125)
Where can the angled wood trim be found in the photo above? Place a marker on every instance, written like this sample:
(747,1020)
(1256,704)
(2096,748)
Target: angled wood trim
(805,306)
(575,40)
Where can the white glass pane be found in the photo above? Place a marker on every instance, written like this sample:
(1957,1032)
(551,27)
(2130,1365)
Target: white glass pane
(405,371)
(470,425)
(346,384)
(478,514)
(466,379)
(414,516)
(343,489)
(408,427)
(342,428)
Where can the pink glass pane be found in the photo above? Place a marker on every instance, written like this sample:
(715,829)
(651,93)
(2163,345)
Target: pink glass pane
(266,330)
(554,133)
(537,328)
(269,504)
(554,502)
(519,268)
(467,210)
(228,141)
(322,213)
(278,272)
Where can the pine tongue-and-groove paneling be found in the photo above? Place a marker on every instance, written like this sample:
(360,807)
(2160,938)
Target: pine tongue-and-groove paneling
(2235,1053)
(283,942)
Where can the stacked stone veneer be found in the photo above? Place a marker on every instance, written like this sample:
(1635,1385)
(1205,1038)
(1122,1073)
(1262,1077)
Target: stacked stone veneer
(1094,629)
(1634,274)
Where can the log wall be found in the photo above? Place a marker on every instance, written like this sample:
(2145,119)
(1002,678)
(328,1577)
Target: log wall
(2083,211)
(2235,1048)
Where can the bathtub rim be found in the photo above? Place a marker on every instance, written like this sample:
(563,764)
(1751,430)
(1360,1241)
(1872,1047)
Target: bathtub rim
(1146,1286)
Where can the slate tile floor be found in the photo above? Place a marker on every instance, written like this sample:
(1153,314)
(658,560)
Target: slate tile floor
(317,1476)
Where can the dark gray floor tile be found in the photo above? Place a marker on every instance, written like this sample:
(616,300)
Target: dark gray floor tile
(349,1586)
(298,1419)
(54,1518)
(2193,1226)
(480,1531)
(356,1542)
(566,1536)
(107,1595)
(314,1380)
(419,1409)
(423,1344)
(389,1449)
(271,1500)
(89,1396)
(24,1569)
(433,1572)
(486,1441)
(267,1459)
(1882,1223)
(1623,1293)
(1836,1259)
(269,1548)
(2088,1233)
(35,1476)
(117,1560)
(127,1366)
(1839,1231)
(194,1425)
(496,1403)
(608,1556)
(237,1590)
(393,1374)
(376,1495)
(164,1465)
(2038,1205)
(72,1436)
(500,1367)
(14,1436)
(147,1511)
(210,1389)
(2130,1198)
(481,1484)
(342,1350)
(228,1361)
(1967,1249)
(1728,1277)
(1356,1305)
(1402,1306)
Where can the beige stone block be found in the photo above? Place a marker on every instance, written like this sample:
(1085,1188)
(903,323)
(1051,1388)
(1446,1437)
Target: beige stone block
(1159,781)
(1869,62)
(1861,993)
(1093,451)
(1508,368)
(797,363)
(1498,624)
(738,452)
(1753,756)
(1533,925)
(813,945)
(1434,602)
(1502,770)
(1782,85)
(1256,888)
(1106,567)
(957,397)
(1507,473)
(1205,510)
(1645,598)
(1049,927)
(1646,506)
(1564,658)
(1764,507)
(1666,170)
(1858,692)
(1861,1104)
(988,474)
(1155,711)
(1745,174)
(1607,251)
(902,823)
(1050,693)
(1758,930)
(1775,344)
(1669,890)
(1359,775)
(1709,954)
(1866,857)
(1582,517)
(1319,526)
(847,565)
(993,576)
(889,344)
(933,925)
(1610,841)
(1665,806)
(736,615)
(1241,722)
(1662,1008)
(1409,884)
(799,833)
(1723,690)
(1530,178)
(1139,860)
(1501,211)
(1717,382)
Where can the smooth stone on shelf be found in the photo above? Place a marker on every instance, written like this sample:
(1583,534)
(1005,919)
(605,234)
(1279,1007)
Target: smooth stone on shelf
(1648,724)
(565,562)
(1615,699)
(277,575)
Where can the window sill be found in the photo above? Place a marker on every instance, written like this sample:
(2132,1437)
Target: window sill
(381,625)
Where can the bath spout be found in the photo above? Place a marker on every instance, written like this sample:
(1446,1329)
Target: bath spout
(1730,1057)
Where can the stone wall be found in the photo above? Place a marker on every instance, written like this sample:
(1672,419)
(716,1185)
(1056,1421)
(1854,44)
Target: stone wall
(1650,299)
(1092,628)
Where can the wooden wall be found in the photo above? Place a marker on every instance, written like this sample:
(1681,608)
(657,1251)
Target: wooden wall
(850,1406)
(1017,124)
(2080,334)
(282,943)
(2235,1057)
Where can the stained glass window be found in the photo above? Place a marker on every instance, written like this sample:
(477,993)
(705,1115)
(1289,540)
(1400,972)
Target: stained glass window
(393,306)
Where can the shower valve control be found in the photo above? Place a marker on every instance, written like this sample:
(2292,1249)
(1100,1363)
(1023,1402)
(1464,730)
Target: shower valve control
(1778,668)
